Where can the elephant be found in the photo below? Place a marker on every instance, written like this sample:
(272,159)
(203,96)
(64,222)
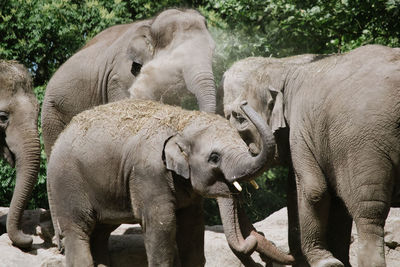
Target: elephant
(335,119)
(19,141)
(153,59)
(139,161)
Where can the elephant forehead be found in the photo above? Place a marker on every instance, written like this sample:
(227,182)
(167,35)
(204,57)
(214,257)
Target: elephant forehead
(213,131)
(173,15)
(14,76)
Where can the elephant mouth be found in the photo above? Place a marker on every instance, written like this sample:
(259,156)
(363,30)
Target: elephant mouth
(9,156)
(254,150)
(250,141)
(239,187)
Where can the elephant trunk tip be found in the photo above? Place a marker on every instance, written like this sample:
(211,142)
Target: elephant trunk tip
(247,246)
(267,249)
(20,239)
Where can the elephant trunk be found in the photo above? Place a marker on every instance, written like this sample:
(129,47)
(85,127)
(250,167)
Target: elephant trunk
(199,80)
(27,160)
(241,247)
(265,247)
(246,165)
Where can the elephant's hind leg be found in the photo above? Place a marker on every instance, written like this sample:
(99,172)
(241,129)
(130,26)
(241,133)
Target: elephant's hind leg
(313,204)
(99,244)
(369,204)
(293,221)
(339,231)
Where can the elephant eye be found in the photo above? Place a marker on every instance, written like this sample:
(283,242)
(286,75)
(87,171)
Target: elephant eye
(214,158)
(239,117)
(135,69)
(3,117)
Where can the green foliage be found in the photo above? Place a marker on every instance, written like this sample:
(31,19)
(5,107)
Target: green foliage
(39,194)
(42,34)
(288,27)
(141,9)
(7,183)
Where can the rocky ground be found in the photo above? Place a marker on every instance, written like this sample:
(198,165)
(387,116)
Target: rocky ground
(126,243)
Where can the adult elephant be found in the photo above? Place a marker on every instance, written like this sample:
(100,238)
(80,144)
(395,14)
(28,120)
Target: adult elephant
(174,48)
(336,121)
(19,141)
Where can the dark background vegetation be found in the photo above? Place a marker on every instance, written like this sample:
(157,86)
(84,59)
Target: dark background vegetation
(42,34)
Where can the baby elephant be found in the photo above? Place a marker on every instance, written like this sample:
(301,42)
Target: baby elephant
(138,161)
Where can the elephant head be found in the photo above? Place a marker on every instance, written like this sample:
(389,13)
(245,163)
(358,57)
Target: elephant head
(213,157)
(19,141)
(182,51)
(155,59)
(263,91)
(261,82)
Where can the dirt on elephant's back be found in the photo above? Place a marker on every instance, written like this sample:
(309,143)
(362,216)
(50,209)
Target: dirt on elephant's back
(129,116)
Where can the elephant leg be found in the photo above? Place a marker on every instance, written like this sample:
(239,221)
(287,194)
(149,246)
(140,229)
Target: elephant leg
(339,231)
(373,198)
(293,221)
(77,249)
(313,218)
(371,247)
(99,244)
(159,232)
(313,204)
(190,235)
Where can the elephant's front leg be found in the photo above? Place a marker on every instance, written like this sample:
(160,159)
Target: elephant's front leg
(190,235)
(99,244)
(159,229)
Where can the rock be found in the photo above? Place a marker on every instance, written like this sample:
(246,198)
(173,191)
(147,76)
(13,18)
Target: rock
(127,247)
(30,219)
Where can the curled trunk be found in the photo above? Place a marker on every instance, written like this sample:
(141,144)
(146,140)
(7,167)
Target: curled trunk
(241,235)
(265,247)
(247,166)
(240,246)
(27,158)
(243,238)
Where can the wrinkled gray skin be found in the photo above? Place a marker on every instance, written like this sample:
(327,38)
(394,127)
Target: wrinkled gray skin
(336,122)
(175,49)
(138,161)
(19,141)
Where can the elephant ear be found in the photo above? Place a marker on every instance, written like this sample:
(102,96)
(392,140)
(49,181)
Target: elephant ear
(141,48)
(175,156)
(277,119)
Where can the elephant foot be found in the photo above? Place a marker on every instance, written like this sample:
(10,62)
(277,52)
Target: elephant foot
(329,262)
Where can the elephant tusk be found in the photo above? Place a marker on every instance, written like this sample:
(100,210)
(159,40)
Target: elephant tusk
(237,185)
(254,184)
